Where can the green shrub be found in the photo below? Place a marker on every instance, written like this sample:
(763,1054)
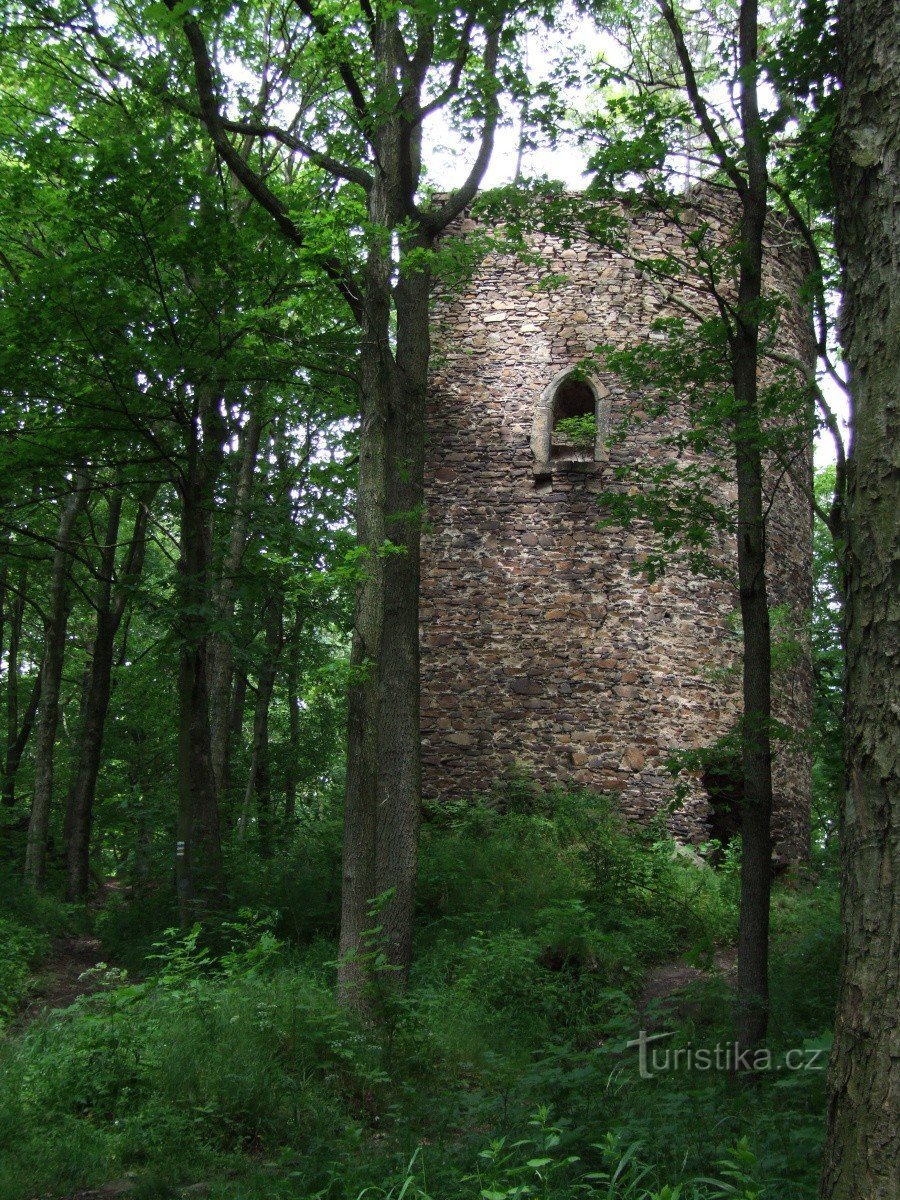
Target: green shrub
(20,948)
(208,1057)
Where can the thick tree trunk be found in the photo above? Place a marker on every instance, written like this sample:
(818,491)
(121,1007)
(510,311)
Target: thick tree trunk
(198,851)
(110,608)
(383,793)
(399,756)
(220,647)
(862,1152)
(51,676)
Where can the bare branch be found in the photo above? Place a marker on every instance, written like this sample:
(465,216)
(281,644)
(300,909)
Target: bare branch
(253,129)
(459,63)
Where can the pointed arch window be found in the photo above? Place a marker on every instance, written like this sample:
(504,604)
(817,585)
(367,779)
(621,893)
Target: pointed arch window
(562,420)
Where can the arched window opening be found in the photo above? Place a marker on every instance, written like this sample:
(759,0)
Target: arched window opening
(574,420)
(570,424)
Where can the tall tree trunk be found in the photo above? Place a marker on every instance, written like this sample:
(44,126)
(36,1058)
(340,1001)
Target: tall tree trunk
(109,607)
(383,791)
(399,755)
(259,784)
(383,773)
(198,851)
(862,1152)
(290,779)
(220,647)
(51,676)
(17,736)
(751,184)
(756,813)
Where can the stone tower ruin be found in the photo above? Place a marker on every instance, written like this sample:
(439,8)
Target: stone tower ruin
(543,652)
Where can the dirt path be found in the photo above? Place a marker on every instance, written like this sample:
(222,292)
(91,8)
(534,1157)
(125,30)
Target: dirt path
(59,978)
(667,986)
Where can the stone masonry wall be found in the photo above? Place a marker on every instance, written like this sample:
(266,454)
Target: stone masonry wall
(542,650)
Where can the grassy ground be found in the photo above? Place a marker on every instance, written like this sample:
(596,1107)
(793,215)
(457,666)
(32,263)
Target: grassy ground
(548,938)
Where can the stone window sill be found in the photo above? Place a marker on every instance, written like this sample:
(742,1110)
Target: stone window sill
(566,466)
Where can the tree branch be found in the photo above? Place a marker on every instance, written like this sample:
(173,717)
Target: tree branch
(333,166)
(459,64)
(699,105)
(437,219)
(354,91)
(210,115)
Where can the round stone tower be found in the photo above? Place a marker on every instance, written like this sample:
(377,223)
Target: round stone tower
(543,651)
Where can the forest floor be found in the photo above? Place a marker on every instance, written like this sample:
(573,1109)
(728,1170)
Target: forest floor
(668,984)
(65,975)
(234,1076)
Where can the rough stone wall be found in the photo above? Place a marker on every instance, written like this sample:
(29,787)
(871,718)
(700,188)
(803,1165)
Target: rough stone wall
(542,650)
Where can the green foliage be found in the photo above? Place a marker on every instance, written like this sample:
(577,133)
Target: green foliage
(28,921)
(503,1069)
(20,948)
(210,1055)
(569,908)
(580,431)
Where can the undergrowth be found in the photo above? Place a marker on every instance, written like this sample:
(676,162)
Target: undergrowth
(507,1069)
(28,922)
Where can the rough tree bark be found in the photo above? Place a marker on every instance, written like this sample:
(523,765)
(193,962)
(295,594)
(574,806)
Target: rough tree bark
(51,677)
(382,803)
(862,1153)
(756,749)
(110,607)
